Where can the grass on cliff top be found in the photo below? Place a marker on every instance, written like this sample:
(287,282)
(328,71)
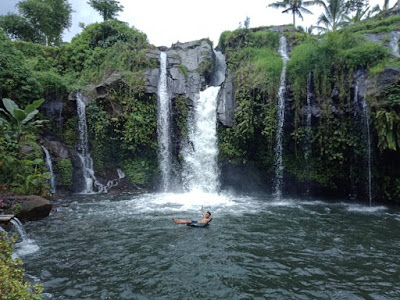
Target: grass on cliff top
(242,38)
(377,24)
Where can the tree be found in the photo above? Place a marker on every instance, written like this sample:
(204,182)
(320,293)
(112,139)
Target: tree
(296,7)
(334,15)
(18,28)
(108,9)
(48,17)
(361,13)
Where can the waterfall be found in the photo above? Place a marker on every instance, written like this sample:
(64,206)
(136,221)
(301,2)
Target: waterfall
(394,43)
(218,76)
(363,114)
(83,151)
(163,125)
(26,245)
(2,229)
(200,168)
(49,167)
(113,183)
(308,142)
(19,227)
(280,119)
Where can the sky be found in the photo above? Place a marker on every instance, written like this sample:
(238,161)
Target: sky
(168,21)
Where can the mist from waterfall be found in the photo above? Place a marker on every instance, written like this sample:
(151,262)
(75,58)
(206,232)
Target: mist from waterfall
(91,185)
(163,125)
(280,119)
(200,151)
(49,167)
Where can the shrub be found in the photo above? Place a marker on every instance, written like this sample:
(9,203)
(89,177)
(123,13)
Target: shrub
(12,281)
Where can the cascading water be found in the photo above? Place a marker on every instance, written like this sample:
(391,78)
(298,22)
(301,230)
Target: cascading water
(200,168)
(113,183)
(163,125)
(280,119)
(394,43)
(363,114)
(19,227)
(26,245)
(91,184)
(49,167)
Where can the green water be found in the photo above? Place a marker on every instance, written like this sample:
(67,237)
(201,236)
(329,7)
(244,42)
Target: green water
(103,247)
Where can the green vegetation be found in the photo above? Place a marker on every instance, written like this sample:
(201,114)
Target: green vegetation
(64,170)
(108,9)
(375,25)
(337,158)
(33,70)
(183,69)
(181,109)
(21,160)
(12,275)
(41,21)
(333,16)
(257,67)
(133,132)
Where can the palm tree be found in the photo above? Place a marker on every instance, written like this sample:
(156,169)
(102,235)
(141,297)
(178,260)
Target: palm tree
(296,7)
(334,16)
(361,14)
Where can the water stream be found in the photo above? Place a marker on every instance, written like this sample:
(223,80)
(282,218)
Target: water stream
(49,167)
(127,247)
(25,244)
(394,43)
(362,112)
(163,125)
(200,152)
(280,119)
(308,139)
(91,185)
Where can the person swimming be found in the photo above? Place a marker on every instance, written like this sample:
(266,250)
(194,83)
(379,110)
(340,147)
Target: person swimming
(207,218)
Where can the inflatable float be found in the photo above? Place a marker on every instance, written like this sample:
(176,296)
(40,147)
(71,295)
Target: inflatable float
(199,225)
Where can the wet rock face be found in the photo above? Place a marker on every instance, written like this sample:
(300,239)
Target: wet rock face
(58,150)
(189,67)
(390,76)
(226,101)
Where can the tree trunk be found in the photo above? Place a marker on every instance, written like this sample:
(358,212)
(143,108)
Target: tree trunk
(294,18)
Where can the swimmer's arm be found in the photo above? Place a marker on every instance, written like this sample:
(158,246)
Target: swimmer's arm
(202,211)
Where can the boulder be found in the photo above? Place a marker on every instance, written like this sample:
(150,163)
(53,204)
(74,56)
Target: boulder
(32,207)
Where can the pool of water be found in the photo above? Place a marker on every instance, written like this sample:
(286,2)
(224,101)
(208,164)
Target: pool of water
(127,247)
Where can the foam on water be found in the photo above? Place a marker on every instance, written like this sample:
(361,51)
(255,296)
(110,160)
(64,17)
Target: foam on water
(365,209)
(25,247)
